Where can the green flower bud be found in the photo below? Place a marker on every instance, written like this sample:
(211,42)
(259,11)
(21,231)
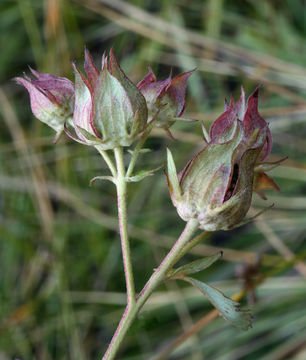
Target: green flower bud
(109,109)
(216,186)
(51,97)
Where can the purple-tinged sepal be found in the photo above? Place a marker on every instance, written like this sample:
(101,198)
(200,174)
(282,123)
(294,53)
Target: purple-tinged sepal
(252,121)
(263,182)
(165,98)
(91,71)
(147,80)
(51,97)
(224,123)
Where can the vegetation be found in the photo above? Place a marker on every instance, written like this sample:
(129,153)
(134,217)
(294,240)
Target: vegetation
(62,289)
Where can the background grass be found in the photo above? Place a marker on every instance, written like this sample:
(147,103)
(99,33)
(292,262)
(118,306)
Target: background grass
(61,281)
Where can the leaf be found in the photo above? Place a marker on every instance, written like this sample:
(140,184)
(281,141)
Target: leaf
(109,178)
(143,174)
(194,266)
(228,308)
(141,151)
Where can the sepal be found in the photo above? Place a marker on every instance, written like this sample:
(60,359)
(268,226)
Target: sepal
(137,100)
(173,182)
(264,182)
(252,218)
(168,94)
(267,166)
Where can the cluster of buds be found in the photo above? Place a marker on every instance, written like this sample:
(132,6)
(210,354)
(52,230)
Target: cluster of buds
(216,186)
(104,108)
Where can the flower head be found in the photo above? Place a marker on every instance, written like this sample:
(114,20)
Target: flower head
(51,97)
(216,185)
(109,110)
(165,99)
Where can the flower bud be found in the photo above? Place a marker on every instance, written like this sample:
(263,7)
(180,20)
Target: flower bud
(51,97)
(165,99)
(216,186)
(109,110)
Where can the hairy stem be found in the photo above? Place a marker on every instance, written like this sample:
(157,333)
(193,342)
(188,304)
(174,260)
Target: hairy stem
(191,244)
(121,185)
(156,278)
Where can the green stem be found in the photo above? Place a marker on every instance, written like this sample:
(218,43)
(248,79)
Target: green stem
(136,151)
(191,244)
(108,161)
(156,278)
(121,185)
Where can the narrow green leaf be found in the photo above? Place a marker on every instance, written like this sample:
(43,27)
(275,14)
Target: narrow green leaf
(228,308)
(143,174)
(141,151)
(194,266)
(109,178)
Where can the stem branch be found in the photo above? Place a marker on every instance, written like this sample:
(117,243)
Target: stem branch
(108,161)
(136,151)
(156,278)
(191,244)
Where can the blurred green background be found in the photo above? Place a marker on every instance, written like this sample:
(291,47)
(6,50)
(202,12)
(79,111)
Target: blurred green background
(61,278)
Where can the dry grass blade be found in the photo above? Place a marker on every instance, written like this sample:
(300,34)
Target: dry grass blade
(256,68)
(277,244)
(200,324)
(59,248)
(170,29)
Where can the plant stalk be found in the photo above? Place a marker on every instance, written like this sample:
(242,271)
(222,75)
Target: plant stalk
(121,186)
(108,161)
(137,150)
(156,278)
